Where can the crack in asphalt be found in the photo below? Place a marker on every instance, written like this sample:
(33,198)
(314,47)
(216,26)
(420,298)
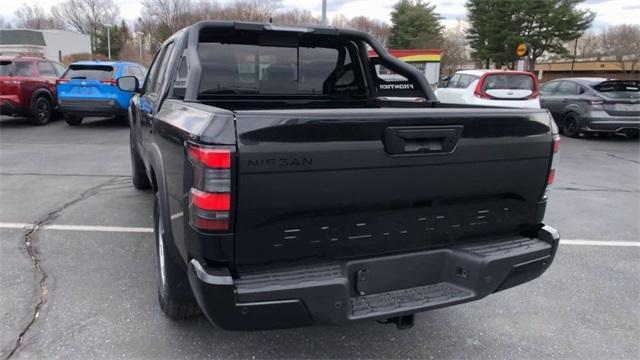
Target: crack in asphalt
(622,158)
(33,253)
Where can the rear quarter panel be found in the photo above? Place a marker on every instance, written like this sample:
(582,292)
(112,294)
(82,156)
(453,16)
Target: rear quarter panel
(174,125)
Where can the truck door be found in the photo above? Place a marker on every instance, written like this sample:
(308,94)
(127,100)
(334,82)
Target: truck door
(149,101)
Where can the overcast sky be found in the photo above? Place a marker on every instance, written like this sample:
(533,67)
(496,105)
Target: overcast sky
(609,12)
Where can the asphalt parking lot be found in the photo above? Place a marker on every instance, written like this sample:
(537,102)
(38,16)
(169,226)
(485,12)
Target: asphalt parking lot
(94,250)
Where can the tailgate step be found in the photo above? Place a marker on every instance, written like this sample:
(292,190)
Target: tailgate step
(511,247)
(407,299)
(286,278)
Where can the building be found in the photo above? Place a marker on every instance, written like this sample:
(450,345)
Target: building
(623,70)
(51,44)
(425,60)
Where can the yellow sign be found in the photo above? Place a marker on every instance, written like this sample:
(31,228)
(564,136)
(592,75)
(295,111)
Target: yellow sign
(522,49)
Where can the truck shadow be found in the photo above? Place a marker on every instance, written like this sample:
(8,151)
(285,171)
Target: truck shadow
(103,123)
(10,122)
(368,340)
(605,138)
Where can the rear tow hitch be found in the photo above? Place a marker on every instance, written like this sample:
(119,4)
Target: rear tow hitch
(402,322)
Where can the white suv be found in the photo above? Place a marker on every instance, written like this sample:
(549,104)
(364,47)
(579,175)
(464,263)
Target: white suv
(517,89)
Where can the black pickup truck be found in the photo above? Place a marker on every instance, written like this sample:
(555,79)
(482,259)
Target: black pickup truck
(295,186)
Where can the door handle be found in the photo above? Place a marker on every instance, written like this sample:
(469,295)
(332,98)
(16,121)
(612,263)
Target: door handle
(148,121)
(421,139)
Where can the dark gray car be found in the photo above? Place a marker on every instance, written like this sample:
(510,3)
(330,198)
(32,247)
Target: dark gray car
(593,105)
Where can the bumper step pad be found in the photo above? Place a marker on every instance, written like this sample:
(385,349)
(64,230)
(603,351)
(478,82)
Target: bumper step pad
(407,299)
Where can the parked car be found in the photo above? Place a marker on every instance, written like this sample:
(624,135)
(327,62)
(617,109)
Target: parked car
(28,87)
(88,88)
(293,186)
(491,88)
(593,105)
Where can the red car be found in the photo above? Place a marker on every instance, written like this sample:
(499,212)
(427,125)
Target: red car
(28,87)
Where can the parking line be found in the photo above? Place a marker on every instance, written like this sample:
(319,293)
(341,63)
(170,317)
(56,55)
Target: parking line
(123,229)
(15,225)
(126,229)
(131,229)
(583,242)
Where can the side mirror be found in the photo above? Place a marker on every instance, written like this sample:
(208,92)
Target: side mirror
(128,83)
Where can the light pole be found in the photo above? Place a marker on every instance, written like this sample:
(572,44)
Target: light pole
(324,13)
(109,41)
(140,35)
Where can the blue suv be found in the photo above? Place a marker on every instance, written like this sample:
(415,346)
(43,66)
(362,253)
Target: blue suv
(88,88)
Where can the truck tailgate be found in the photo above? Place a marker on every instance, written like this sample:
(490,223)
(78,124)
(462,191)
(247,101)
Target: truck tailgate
(335,184)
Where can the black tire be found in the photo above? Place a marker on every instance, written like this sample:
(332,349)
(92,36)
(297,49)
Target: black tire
(138,174)
(174,292)
(73,120)
(41,111)
(571,125)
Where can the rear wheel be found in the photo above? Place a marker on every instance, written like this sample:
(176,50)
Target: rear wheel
(122,120)
(73,120)
(41,111)
(570,125)
(174,292)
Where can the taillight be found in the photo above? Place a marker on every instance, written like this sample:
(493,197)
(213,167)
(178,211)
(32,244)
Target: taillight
(477,92)
(554,158)
(534,93)
(210,196)
(596,103)
(108,82)
(61,81)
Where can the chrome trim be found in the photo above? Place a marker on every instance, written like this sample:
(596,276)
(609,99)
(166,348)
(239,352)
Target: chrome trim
(204,276)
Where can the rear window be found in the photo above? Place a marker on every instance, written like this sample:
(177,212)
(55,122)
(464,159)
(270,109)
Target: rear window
(23,68)
(508,81)
(461,81)
(619,89)
(5,68)
(275,70)
(89,72)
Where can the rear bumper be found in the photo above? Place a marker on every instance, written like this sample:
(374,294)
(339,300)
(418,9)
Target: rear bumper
(376,288)
(9,107)
(91,107)
(610,123)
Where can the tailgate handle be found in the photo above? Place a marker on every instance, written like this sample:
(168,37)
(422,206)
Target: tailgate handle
(422,139)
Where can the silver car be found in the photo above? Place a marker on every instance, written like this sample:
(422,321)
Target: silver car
(593,105)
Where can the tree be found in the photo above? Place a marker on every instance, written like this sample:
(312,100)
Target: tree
(4,24)
(379,29)
(414,24)
(296,17)
(497,26)
(251,10)
(88,16)
(159,19)
(119,34)
(173,14)
(35,17)
(340,21)
(454,50)
(623,43)
(588,45)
